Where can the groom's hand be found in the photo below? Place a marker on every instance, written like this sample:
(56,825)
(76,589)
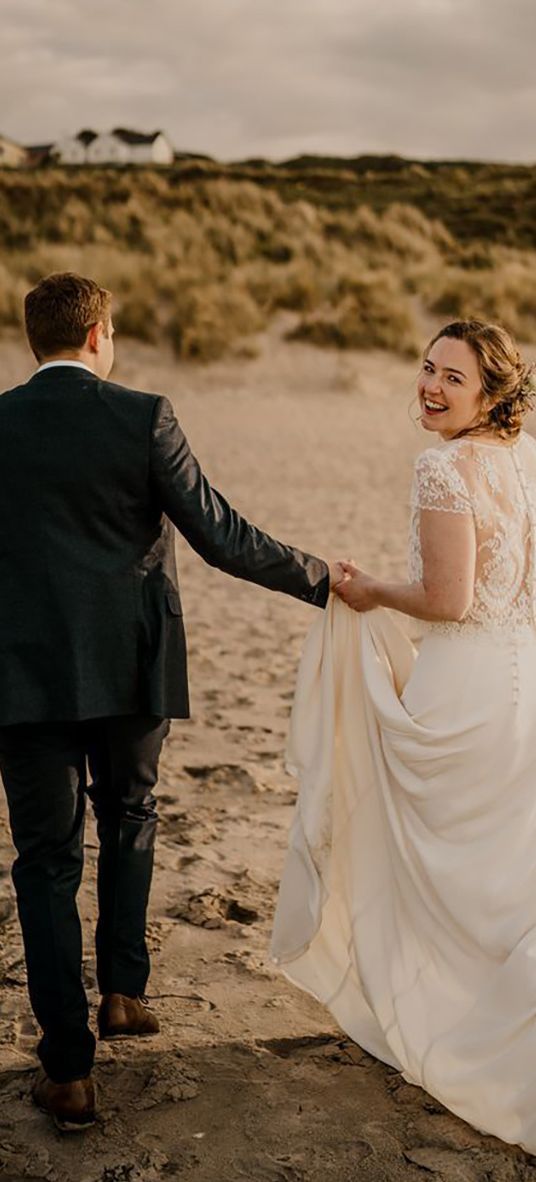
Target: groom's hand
(339,572)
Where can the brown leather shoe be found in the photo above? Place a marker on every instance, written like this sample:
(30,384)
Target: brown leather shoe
(122,1017)
(71,1105)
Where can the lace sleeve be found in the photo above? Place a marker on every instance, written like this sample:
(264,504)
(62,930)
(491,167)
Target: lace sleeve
(437,484)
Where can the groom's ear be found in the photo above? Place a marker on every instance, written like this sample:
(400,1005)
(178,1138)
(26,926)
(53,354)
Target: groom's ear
(93,337)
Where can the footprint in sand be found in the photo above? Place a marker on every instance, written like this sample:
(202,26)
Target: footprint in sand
(24,1028)
(445,1163)
(283,1168)
(169,1079)
(223,775)
(212,909)
(250,964)
(290,1048)
(149,1166)
(13,970)
(176,824)
(7,906)
(157,931)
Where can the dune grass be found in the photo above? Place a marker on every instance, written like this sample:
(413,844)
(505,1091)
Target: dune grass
(203,255)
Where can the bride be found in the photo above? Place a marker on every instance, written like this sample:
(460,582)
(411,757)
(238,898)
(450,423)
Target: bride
(407,903)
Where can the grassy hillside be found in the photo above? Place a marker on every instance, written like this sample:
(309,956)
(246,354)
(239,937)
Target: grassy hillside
(204,253)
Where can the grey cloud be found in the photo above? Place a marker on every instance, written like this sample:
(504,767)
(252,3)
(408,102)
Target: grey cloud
(277,77)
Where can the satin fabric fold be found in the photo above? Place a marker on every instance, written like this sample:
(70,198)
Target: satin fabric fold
(407,902)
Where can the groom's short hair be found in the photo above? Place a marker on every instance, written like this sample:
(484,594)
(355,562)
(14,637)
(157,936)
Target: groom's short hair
(61,309)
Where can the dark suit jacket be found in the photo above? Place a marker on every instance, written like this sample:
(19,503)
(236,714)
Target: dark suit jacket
(91,476)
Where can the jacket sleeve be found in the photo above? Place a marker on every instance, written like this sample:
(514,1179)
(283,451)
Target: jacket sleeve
(214,529)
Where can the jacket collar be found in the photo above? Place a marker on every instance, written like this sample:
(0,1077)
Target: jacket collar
(61,362)
(63,373)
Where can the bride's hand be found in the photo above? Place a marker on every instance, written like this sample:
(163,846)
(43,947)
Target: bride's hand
(358,590)
(339,571)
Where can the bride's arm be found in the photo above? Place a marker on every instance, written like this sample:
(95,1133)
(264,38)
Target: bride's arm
(445,540)
(446,590)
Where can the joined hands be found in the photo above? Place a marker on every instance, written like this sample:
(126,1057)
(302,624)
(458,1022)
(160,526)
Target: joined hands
(357,589)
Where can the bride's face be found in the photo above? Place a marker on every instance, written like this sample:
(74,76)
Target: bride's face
(449,388)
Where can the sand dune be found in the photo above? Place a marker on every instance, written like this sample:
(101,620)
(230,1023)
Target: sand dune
(249,1079)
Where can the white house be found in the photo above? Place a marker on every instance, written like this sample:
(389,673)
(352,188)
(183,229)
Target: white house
(12,155)
(122,146)
(73,148)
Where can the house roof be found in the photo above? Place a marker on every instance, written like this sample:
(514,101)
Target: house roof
(86,136)
(5,139)
(135,137)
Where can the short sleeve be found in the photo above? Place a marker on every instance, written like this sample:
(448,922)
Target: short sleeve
(437,484)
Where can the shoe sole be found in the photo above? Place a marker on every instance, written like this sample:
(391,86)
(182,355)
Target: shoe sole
(128,1034)
(67,1126)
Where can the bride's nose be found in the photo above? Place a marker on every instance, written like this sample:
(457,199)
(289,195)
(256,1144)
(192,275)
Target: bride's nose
(432,383)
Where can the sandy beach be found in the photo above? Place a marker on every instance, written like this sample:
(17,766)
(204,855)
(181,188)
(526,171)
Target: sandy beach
(249,1079)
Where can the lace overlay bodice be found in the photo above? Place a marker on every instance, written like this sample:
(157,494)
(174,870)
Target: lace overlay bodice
(496,486)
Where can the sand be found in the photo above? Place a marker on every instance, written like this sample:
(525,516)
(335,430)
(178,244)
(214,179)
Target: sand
(250,1079)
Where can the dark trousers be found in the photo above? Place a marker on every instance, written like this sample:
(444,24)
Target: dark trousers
(43,766)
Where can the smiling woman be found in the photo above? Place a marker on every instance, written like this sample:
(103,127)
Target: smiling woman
(449,387)
(474,381)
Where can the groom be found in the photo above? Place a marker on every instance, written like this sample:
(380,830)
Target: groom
(93,659)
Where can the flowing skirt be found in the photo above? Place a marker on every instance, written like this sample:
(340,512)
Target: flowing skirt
(407,903)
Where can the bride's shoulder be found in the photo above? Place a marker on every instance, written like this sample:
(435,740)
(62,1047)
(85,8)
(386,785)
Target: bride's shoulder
(439,457)
(447,454)
(438,478)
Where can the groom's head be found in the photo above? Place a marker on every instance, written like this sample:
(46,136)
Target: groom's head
(69,317)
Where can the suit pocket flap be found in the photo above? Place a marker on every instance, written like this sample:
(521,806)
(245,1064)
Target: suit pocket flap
(174,603)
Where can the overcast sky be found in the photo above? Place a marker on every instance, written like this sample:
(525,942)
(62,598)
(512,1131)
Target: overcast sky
(237,78)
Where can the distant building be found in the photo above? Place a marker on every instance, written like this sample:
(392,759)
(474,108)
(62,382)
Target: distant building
(123,146)
(38,154)
(73,148)
(12,155)
(120,146)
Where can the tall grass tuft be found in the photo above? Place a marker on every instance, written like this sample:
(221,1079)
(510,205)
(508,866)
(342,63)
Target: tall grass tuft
(203,255)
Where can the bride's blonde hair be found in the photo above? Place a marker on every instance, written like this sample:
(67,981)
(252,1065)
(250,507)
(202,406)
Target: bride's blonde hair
(507,382)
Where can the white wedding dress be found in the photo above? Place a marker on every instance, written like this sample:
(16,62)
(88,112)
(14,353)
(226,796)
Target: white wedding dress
(407,903)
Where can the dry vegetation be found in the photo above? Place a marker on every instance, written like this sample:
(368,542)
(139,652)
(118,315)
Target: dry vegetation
(204,254)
